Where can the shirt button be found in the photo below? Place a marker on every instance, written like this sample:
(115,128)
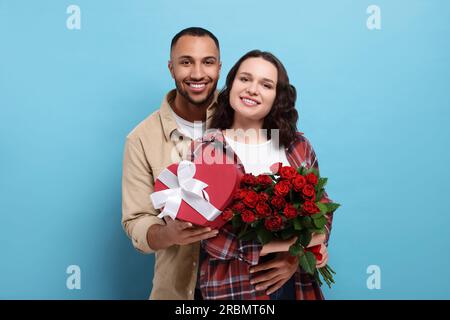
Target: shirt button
(194,264)
(190,291)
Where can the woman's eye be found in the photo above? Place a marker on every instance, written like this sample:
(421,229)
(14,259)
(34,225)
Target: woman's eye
(268,86)
(244,79)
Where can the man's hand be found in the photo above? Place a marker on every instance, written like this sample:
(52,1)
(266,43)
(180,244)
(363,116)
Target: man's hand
(278,271)
(176,232)
(283,267)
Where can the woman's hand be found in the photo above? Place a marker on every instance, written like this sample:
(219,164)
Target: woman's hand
(283,245)
(319,239)
(277,246)
(324,252)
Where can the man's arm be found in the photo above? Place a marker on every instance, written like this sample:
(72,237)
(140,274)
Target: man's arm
(138,214)
(139,218)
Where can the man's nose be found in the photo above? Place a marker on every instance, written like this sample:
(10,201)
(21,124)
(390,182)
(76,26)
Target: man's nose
(197,72)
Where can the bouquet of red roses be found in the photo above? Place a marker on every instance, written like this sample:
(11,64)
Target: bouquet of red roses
(283,205)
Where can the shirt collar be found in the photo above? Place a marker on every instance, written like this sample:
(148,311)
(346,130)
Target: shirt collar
(168,121)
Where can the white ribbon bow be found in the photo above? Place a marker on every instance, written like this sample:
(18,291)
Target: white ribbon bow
(183,186)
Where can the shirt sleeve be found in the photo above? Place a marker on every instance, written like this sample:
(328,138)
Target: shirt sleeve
(325,199)
(226,246)
(138,214)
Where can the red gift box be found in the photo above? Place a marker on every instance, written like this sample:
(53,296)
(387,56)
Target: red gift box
(196,193)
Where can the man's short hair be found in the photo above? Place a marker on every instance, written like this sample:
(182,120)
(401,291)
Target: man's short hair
(196,32)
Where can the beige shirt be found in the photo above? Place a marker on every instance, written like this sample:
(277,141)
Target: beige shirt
(149,148)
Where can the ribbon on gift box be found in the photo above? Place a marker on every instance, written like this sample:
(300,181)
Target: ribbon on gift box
(183,187)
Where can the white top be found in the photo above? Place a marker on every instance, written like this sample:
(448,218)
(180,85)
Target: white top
(193,130)
(257,158)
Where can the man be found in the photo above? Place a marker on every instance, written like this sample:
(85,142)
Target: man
(161,140)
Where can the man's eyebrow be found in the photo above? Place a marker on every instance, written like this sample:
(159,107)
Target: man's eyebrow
(250,75)
(184,57)
(192,58)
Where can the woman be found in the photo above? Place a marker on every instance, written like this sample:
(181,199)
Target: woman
(255,123)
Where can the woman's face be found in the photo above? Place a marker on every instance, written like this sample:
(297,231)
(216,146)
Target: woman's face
(254,89)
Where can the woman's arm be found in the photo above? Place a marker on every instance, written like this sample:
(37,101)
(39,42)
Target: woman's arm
(277,246)
(283,245)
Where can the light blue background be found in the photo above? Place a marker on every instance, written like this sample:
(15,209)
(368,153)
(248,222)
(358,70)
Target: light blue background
(375,105)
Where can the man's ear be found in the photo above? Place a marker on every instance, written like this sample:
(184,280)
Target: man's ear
(170,66)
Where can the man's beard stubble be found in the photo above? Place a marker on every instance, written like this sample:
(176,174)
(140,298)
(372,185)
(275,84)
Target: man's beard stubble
(185,94)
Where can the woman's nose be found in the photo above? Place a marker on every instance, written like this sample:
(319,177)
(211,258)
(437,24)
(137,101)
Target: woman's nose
(252,88)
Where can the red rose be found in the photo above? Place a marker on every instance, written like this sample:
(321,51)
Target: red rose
(251,199)
(290,212)
(263,197)
(239,207)
(227,214)
(248,216)
(298,182)
(312,178)
(278,202)
(282,188)
(240,194)
(263,209)
(276,167)
(249,179)
(287,173)
(308,190)
(264,180)
(316,251)
(273,223)
(310,208)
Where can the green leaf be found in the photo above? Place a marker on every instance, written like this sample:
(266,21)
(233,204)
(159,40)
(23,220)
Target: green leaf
(319,223)
(308,262)
(317,215)
(321,183)
(264,236)
(297,224)
(323,208)
(313,170)
(331,207)
(287,233)
(304,238)
(301,170)
(257,223)
(296,250)
(306,222)
(319,194)
(236,222)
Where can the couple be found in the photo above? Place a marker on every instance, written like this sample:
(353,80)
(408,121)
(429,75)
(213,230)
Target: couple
(196,262)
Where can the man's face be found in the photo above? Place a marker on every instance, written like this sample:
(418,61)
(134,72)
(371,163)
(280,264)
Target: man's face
(195,66)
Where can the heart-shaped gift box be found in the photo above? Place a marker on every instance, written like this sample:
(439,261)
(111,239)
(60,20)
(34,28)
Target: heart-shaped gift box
(196,193)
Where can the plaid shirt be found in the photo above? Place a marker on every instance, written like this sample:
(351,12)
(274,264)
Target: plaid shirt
(224,259)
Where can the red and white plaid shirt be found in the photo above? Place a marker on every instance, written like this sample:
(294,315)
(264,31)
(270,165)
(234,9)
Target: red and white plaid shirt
(225,260)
